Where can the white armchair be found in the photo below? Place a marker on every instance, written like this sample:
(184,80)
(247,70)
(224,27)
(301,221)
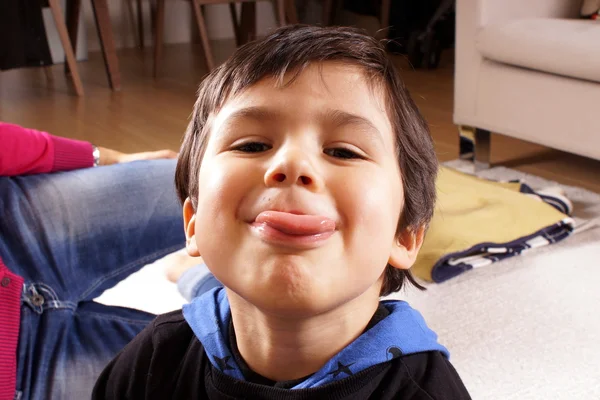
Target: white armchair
(530,70)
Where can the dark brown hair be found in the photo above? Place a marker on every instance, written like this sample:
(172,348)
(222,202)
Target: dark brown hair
(291,49)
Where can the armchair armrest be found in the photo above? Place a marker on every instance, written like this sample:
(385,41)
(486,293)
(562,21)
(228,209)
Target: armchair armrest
(497,11)
(471,16)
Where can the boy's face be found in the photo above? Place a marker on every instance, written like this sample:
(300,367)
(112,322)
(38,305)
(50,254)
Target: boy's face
(320,153)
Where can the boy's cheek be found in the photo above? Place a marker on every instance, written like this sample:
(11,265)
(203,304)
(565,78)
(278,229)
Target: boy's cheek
(375,204)
(214,186)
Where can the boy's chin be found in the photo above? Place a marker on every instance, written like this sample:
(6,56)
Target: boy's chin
(292,302)
(279,300)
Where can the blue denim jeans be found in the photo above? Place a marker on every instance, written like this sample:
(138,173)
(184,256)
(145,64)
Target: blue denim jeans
(71,236)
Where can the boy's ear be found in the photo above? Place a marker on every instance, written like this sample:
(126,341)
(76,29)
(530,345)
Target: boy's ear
(406,247)
(189,224)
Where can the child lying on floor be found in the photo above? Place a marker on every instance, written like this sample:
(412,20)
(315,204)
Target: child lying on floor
(308,180)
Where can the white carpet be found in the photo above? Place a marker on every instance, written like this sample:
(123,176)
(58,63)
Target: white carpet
(528,327)
(524,328)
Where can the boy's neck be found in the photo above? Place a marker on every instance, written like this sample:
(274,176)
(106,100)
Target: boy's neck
(283,349)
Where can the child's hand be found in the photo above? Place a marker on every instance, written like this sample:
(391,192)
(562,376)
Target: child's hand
(109,157)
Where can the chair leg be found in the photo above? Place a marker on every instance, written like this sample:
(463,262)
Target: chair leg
(66,43)
(107,42)
(327,12)
(248,22)
(475,145)
(152,15)
(140,22)
(210,63)
(159,25)
(72,20)
(48,73)
(133,23)
(331,9)
(291,12)
(236,24)
(385,18)
(280,8)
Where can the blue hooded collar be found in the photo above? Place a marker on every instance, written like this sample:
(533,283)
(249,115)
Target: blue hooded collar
(401,333)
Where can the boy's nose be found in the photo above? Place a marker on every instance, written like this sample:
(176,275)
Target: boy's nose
(292,167)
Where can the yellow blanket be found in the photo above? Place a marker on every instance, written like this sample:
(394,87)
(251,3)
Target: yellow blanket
(471,212)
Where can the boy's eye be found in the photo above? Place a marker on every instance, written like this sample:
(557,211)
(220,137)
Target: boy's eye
(252,147)
(342,153)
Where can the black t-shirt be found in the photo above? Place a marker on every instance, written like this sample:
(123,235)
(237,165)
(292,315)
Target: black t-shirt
(166,361)
(253,377)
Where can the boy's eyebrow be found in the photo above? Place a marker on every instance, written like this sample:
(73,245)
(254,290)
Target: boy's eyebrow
(254,112)
(341,118)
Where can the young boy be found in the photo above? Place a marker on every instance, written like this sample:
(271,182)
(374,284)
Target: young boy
(307,176)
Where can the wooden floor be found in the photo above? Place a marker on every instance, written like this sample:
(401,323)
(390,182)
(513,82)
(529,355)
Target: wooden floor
(151,114)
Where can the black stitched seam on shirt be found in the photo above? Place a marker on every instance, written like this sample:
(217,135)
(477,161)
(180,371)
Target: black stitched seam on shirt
(414,381)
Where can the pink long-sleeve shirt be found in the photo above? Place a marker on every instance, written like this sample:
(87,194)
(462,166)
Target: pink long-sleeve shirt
(27,151)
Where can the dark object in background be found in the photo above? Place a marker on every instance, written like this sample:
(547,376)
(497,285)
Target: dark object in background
(362,7)
(421,29)
(23,41)
(425,46)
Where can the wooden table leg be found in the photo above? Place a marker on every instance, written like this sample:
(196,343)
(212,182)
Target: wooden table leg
(66,43)
(248,22)
(107,42)
(72,20)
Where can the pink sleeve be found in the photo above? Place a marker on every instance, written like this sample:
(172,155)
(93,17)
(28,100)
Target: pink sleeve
(27,151)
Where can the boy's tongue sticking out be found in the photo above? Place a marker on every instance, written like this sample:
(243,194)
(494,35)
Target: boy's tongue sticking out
(293,229)
(294,223)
